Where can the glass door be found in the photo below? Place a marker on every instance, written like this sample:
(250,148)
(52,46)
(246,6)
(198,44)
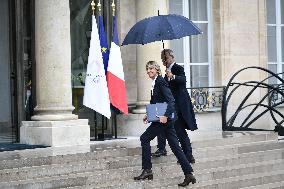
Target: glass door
(5,75)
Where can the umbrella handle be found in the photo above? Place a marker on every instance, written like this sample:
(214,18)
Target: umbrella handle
(162,40)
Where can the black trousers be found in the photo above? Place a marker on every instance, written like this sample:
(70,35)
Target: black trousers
(169,132)
(182,137)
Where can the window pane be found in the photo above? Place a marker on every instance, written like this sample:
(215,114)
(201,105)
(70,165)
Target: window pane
(175,7)
(271,12)
(199,45)
(271,44)
(282,71)
(282,42)
(177,46)
(198,10)
(282,11)
(199,76)
(273,68)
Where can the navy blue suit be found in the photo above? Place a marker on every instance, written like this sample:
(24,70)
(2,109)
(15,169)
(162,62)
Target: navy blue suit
(184,108)
(162,93)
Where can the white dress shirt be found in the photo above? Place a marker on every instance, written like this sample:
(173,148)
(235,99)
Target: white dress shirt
(153,84)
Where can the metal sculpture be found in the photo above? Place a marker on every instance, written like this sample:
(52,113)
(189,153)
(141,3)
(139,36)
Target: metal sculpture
(269,102)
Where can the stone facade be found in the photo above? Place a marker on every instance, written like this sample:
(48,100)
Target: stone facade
(239,40)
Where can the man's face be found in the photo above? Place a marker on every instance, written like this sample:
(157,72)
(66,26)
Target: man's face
(166,59)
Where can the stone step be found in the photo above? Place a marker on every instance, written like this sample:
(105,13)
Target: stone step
(10,162)
(59,168)
(131,161)
(202,153)
(133,143)
(117,177)
(230,138)
(276,185)
(236,149)
(201,139)
(166,171)
(225,183)
(244,181)
(27,158)
(48,183)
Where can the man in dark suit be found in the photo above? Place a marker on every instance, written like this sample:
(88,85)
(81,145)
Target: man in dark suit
(161,93)
(176,79)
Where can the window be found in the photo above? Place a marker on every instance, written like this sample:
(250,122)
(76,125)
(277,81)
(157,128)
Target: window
(194,52)
(275,37)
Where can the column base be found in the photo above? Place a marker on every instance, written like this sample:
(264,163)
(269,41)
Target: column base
(59,117)
(140,107)
(130,125)
(55,133)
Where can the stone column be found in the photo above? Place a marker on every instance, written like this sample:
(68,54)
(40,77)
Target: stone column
(151,51)
(240,41)
(136,56)
(53,123)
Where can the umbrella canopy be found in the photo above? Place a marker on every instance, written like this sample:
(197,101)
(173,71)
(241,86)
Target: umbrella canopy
(162,27)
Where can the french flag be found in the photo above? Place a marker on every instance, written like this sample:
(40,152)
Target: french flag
(115,74)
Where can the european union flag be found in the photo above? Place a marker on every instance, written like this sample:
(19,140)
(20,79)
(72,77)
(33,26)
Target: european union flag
(103,42)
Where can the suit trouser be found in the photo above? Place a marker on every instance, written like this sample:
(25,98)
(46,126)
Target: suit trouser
(168,130)
(182,137)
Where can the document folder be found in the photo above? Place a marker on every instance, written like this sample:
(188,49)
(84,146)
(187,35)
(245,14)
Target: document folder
(156,110)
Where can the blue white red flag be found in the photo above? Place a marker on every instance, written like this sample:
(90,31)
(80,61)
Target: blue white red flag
(115,74)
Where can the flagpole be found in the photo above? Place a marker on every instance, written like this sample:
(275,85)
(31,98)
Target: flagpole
(113,8)
(99,7)
(93,4)
(104,120)
(115,124)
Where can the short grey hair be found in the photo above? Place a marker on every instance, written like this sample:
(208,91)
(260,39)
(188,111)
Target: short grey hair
(169,51)
(155,65)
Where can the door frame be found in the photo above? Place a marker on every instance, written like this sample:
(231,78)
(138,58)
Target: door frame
(18,26)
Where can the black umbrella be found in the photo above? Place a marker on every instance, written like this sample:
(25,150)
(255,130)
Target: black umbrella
(159,28)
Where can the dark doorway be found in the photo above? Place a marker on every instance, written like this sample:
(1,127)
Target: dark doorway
(16,66)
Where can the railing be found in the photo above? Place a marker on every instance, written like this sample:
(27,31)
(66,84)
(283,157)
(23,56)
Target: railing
(267,103)
(206,99)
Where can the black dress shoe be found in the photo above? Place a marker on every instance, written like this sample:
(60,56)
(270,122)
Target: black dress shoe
(159,153)
(189,178)
(146,174)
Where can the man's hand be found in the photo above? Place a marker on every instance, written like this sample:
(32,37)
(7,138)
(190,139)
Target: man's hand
(163,119)
(145,120)
(169,74)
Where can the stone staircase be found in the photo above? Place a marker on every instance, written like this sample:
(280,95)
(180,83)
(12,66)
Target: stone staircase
(247,160)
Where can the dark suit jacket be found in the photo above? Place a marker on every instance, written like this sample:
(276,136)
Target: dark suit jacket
(183,102)
(162,93)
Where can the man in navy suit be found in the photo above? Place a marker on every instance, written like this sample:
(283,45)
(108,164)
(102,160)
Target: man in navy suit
(176,79)
(161,93)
